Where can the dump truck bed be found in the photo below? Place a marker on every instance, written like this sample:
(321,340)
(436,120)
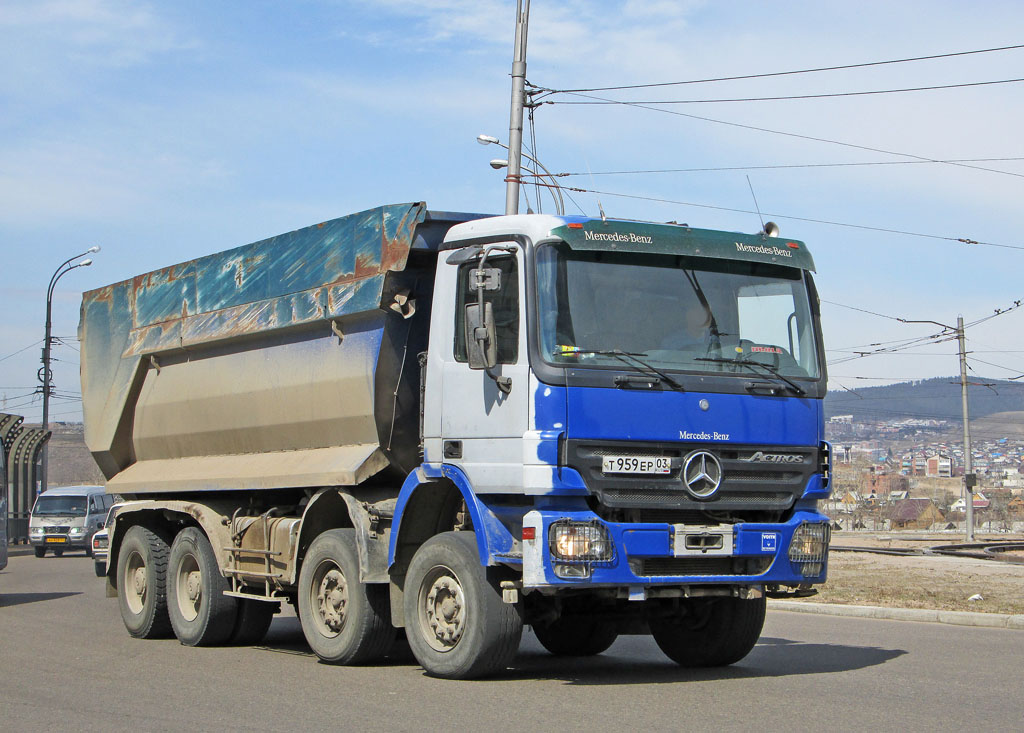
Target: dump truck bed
(265,366)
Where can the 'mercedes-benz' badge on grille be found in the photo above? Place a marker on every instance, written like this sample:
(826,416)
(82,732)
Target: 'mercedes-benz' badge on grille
(702,474)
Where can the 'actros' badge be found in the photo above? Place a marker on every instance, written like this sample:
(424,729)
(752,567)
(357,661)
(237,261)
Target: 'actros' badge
(702,474)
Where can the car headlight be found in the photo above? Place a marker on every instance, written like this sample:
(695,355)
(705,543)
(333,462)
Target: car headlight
(77,531)
(570,541)
(35,530)
(809,547)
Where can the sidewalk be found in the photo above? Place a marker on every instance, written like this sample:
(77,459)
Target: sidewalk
(959,618)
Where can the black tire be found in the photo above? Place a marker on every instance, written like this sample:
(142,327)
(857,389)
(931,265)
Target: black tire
(40,551)
(100,568)
(344,621)
(456,622)
(712,633)
(201,615)
(58,553)
(142,583)
(577,636)
(88,548)
(253,621)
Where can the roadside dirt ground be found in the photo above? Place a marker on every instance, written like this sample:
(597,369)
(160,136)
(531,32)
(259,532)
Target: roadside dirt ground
(922,581)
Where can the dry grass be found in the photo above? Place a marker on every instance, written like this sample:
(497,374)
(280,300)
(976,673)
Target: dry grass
(932,582)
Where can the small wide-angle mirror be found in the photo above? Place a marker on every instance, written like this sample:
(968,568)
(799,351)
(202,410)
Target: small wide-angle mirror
(481,343)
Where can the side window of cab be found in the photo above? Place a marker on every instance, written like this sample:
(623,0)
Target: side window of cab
(504,305)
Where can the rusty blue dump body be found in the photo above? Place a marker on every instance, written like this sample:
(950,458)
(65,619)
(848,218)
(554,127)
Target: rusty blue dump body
(270,365)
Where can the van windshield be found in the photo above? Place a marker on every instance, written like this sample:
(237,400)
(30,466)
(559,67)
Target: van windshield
(64,506)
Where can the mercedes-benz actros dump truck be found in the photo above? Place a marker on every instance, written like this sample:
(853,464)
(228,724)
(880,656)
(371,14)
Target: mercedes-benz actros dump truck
(458,425)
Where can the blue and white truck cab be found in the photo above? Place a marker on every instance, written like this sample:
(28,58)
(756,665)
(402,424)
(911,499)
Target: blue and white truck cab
(462,425)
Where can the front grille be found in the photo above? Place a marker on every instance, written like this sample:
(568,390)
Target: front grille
(674,566)
(751,480)
(56,530)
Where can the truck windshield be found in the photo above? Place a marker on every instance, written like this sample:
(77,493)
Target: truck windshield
(64,506)
(691,314)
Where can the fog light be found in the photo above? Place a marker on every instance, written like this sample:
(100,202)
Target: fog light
(581,571)
(810,544)
(570,541)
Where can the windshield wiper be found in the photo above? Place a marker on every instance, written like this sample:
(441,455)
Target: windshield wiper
(748,363)
(626,356)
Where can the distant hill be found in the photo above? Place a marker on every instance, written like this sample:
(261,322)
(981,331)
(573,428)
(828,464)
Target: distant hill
(937,398)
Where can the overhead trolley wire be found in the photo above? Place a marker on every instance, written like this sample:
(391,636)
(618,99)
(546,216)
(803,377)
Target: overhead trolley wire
(786,73)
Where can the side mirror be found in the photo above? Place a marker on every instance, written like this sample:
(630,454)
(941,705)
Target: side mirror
(481,343)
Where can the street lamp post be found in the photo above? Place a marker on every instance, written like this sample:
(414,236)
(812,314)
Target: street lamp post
(45,374)
(553,188)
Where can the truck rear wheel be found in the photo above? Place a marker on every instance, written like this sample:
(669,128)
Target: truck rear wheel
(344,621)
(142,583)
(456,622)
(577,636)
(254,618)
(201,615)
(712,632)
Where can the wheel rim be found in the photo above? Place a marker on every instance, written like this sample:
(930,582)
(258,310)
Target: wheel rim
(328,598)
(442,609)
(135,582)
(188,579)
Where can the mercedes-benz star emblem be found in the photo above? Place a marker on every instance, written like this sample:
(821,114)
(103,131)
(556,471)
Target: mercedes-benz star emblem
(702,474)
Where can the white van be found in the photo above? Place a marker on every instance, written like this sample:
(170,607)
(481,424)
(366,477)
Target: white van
(66,518)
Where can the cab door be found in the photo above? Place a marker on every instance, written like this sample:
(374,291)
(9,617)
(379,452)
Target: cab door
(478,427)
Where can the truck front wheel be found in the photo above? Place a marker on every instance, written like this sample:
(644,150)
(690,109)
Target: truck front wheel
(456,622)
(710,632)
(344,621)
(142,583)
(200,613)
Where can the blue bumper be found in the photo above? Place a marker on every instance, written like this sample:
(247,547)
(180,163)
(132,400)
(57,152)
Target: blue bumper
(646,555)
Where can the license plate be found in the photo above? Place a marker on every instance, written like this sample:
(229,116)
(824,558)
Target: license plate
(56,540)
(636,464)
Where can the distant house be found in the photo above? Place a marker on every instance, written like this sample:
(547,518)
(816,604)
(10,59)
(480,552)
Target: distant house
(914,514)
(1015,506)
(980,502)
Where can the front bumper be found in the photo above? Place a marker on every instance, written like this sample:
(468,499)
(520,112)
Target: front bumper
(60,541)
(751,554)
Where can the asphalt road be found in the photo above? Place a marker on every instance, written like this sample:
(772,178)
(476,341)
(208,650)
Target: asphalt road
(68,664)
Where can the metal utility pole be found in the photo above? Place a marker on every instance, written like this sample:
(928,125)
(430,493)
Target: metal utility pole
(969,478)
(515,125)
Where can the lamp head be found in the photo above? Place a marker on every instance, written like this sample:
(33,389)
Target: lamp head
(85,263)
(93,250)
(487,140)
(499,163)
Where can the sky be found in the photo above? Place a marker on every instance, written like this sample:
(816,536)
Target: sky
(166,131)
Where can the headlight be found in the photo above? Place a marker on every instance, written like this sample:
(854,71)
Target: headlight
(77,531)
(570,541)
(36,530)
(809,547)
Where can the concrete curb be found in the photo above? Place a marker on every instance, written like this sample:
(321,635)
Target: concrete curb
(959,618)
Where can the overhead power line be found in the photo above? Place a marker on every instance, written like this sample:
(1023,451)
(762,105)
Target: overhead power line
(786,73)
(962,240)
(799,136)
(786,166)
(790,97)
